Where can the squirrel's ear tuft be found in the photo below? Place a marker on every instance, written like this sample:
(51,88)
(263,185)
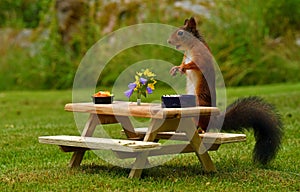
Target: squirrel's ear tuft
(186,21)
(192,23)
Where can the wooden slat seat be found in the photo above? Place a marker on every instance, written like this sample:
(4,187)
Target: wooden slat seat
(99,143)
(211,141)
(212,138)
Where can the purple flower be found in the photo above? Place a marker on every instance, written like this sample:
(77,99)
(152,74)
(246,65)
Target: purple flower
(132,85)
(128,93)
(149,90)
(143,80)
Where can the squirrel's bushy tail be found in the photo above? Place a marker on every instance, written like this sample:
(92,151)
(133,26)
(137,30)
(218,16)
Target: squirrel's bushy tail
(253,112)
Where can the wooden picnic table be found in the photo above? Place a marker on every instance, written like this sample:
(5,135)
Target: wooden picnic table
(141,143)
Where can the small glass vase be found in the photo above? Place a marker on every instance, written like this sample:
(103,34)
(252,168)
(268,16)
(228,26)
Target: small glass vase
(138,101)
(138,98)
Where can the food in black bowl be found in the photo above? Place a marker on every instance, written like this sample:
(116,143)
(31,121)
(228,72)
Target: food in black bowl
(178,101)
(103,97)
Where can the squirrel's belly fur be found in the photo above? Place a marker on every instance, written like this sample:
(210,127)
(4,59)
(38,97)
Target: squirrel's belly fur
(192,77)
(191,82)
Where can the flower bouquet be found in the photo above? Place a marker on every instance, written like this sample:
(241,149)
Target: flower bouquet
(143,85)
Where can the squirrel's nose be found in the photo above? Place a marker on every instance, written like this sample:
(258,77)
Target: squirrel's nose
(169,41)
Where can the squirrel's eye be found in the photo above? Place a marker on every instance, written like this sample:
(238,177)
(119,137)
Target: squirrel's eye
(180,33)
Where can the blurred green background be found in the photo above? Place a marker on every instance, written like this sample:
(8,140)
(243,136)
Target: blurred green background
(42,42)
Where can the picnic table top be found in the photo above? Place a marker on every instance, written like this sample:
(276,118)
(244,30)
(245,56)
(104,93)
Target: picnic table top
(149,110)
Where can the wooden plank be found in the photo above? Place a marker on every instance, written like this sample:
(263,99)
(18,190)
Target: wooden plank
(99,143)
(90,125)
(189,112)
(215,138)
(195,141)
(171,149)
(139,165)
(148,110)
(88,131)
(118,108)
(107,119)
(164,149)
(72,149)
(128,127)
(142,159)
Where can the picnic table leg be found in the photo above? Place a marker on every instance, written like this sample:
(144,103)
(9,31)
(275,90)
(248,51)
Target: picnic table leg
(88,131)
(128,127)
(191,131)
(142,158)
(139,164)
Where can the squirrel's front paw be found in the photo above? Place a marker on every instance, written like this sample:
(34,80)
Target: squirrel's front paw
(174,70)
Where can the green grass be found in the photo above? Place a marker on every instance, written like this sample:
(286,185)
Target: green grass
(27,165)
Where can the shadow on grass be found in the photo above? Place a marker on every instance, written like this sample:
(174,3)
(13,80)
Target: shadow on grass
(231,163)
(159,172)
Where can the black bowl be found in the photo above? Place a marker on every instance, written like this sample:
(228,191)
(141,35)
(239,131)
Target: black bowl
(103,100)
(178,101)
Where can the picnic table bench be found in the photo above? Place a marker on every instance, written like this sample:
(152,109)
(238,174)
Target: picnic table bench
(141,143)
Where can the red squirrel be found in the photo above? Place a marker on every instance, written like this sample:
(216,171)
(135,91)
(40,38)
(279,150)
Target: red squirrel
(197,64)
(250,112)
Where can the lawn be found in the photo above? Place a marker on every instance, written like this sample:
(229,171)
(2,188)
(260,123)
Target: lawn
(27,165)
